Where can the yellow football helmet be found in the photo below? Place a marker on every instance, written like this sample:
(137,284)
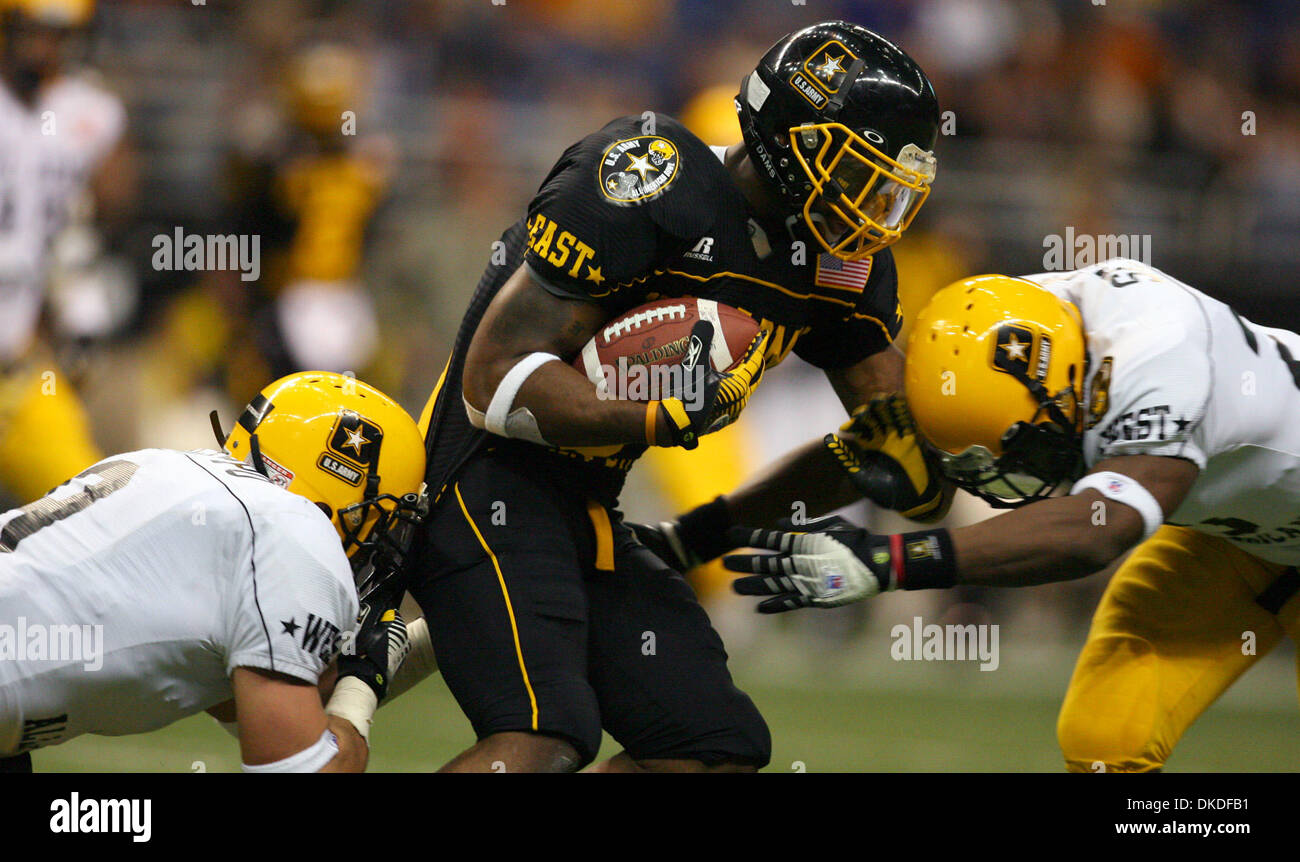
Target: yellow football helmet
(661,151)
(322,82)
(994,376)
(345,446)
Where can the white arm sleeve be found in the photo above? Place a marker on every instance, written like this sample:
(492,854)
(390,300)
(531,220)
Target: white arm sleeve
(502,417)
(421,663)
(312,759)
(503,401)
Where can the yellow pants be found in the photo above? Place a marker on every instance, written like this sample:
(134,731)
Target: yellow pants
(45,437)
(1177,625)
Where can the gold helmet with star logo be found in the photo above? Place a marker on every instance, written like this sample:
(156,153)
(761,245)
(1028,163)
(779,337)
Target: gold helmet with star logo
(661,151)
(994,376)
(340,443)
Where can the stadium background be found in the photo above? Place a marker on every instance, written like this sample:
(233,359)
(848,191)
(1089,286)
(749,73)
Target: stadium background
(1122,118)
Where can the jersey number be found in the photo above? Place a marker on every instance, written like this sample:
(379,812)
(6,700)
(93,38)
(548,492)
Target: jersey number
(1118,277)
(1235,527)
(113,476)
(1292,364)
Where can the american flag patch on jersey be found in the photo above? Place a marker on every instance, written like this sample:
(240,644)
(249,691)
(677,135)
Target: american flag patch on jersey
(844,274)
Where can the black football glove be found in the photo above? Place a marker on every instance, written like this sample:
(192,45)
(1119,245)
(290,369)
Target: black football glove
(710,400)
(691,540)
(888,463)
(378,648)
(665,540)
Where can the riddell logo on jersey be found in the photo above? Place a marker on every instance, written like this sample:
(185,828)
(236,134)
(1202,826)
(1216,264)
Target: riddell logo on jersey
(32,642)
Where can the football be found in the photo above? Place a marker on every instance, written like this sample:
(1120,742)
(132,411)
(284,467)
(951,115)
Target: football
(654,336)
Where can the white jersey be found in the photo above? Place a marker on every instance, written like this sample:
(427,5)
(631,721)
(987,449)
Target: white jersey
(48,152)
(1174,372)
(130,594)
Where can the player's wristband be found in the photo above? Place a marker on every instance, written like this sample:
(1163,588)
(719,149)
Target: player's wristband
(421,663)
(678,421)
(703,530)
(923,560)
(355,702)
(1122,489)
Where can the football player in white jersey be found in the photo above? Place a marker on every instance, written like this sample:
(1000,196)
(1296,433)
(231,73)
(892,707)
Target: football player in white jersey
(1172,427)
(160,583)
(62,143)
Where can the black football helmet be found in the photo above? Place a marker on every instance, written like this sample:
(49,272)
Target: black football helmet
(842,124)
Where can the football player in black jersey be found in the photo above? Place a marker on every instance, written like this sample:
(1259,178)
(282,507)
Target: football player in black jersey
(550,616)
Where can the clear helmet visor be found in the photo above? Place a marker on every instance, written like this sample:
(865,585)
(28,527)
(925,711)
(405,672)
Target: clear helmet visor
(977,471)
(890,203)
(861,199)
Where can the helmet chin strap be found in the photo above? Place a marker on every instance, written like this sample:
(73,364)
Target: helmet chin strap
(836,103)
(1046,400)
(254,448)
(255,452)
(832,114)
(216,429)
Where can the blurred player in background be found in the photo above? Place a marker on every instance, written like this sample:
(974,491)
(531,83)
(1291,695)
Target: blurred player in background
(217,581)
(539,597)
(304,177)
(62,155)
(1173,422)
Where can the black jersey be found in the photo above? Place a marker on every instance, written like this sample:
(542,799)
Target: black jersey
(627,217)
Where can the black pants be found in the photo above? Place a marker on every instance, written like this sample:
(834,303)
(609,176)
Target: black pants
(548,616)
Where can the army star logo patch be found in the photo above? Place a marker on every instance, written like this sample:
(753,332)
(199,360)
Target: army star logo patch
(1019,350)
(822,74)
(638,169)
(356,439)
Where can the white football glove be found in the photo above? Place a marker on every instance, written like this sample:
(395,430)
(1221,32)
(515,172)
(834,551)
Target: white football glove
(810,570)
